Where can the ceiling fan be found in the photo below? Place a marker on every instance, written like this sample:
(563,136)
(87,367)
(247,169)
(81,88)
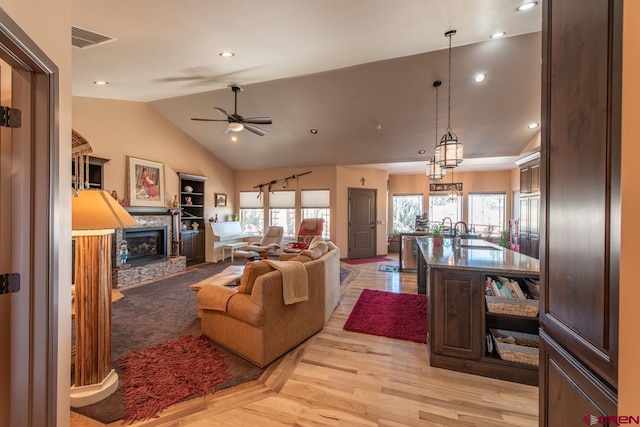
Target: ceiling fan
(236,121)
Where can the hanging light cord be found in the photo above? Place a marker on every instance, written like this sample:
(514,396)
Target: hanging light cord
(437,86)
(450,34)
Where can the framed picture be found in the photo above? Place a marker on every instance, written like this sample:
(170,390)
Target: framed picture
(146,182)
(221,200)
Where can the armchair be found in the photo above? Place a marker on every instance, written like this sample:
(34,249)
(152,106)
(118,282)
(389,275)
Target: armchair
(271,241)
(309,228)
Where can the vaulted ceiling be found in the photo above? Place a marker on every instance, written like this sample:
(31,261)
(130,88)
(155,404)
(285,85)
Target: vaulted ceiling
(360,72)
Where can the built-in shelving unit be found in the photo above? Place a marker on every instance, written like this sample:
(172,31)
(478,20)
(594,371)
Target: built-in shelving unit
(192,203)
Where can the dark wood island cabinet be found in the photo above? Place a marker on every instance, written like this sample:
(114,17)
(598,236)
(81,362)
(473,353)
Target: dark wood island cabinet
(459,322)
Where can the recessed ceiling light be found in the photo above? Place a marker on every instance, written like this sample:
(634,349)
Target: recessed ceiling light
(234,138)
(533,125)
(227,54)
(314,131)
(480,77)
(101,82)
(421,151)
(498,35)
(526,6)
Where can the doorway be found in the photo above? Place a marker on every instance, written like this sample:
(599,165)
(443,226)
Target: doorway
(28,188)
(362,223)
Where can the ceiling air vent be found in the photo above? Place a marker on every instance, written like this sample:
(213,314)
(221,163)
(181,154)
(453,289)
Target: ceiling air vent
(82,38)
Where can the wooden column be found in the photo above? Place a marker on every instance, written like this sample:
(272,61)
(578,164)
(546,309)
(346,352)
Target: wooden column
(93,309)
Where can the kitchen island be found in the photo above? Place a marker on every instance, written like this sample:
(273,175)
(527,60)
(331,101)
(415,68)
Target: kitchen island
(453,278)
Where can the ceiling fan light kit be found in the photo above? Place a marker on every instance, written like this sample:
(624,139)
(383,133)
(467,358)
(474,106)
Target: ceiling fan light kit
(449,150)
(235,121)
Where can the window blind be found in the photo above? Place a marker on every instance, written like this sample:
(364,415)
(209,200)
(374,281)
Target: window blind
(315,198)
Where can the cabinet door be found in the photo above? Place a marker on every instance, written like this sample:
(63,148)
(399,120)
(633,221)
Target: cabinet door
(198,246)
(535,178)
(569,392)
(581,87)
(187,244)
(457,298)
(525,180)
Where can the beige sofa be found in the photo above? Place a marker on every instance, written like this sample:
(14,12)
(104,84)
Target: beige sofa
(254,321)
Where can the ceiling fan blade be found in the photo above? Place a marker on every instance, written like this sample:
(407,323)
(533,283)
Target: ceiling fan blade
(221,111)
(255,129)
(227,131)
(209,120)
(258,120)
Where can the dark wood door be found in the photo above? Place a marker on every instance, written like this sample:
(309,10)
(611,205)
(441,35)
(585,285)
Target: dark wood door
(580,172)
(362,223)
(457,298)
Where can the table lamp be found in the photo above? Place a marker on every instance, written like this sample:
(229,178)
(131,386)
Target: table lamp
(95,216)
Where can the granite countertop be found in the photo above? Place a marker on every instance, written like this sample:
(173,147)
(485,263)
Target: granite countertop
(476,254)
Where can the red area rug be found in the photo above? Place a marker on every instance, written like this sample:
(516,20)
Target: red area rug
(401,316)
(367,260)
(159,376)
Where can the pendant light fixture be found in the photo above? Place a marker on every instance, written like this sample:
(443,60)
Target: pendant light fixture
(449,151)
(452,193)
(434,171)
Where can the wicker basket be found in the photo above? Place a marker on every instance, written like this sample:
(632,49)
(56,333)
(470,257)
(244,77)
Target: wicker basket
(513,306)
(514,352)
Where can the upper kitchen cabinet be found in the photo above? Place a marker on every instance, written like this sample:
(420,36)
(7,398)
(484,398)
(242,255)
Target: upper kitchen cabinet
(530,177)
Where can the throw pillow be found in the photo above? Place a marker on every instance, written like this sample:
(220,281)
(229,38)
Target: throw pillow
(320,245)
(312,253)
(251,272)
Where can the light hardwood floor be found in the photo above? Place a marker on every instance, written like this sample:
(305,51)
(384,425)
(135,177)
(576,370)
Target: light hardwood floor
(341,378)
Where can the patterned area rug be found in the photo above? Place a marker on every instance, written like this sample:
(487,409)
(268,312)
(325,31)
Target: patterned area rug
(387,314)
(157,377)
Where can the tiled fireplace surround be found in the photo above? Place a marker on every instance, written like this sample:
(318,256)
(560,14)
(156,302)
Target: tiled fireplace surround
(127,274)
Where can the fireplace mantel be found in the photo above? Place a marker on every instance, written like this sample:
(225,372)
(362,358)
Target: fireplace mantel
(148,210)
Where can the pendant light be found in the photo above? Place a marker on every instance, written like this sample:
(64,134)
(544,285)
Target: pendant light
(434,171)
(449,151)
(452,194)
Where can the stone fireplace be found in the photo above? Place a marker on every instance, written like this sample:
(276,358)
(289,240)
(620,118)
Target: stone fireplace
(149,247)
(145,244)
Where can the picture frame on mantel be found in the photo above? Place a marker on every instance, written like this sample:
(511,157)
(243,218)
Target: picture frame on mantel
(221,200)
(145,182)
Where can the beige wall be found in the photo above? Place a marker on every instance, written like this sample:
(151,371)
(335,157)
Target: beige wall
(629,347)
(472,182)
(376,179)
(50,29)
(117,129)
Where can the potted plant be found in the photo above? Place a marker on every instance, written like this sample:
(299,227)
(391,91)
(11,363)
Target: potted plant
(436,235)
(394,241)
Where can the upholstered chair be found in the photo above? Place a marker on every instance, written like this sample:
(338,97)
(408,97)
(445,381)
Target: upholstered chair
(270,242)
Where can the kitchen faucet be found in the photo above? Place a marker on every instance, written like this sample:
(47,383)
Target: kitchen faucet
(450,222)
(455,228)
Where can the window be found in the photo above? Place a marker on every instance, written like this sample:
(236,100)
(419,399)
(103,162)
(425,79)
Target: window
(282,211)
(405,210)
(251,212)
(440,207)
(316,204)
(486,212)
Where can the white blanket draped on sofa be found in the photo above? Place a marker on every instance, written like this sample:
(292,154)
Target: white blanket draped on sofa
(295,283)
